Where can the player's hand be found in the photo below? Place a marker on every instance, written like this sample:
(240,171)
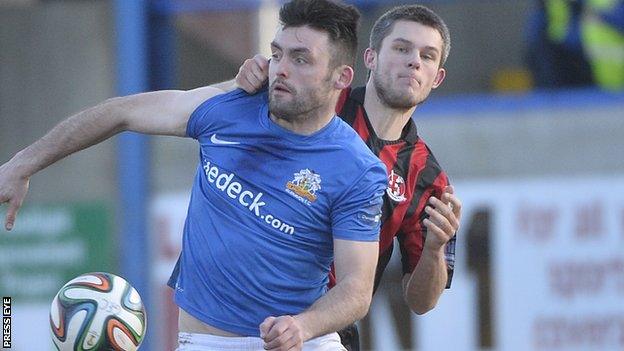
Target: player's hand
(444,217)
(281,333)
(253,74)
(13,189)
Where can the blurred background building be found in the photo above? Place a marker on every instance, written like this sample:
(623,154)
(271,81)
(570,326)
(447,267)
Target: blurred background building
(528,124)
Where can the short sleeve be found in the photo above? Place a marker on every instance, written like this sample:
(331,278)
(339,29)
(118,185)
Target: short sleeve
(204,116)
(357,214)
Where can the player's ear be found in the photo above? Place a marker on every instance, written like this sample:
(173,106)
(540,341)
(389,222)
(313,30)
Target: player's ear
(345,77)
(370,58)
(439,78)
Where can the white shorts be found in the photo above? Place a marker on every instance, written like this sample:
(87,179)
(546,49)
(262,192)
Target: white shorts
(205,342)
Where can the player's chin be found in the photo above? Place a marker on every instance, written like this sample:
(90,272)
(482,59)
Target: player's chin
(408,100)
(280,100)
(283,113)
(279,105)
(413,93)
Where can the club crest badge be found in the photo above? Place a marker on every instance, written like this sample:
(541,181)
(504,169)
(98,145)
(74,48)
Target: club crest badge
(396,187)
(304,186)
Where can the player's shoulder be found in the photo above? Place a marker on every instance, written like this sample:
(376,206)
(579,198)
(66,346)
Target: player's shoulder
(421,147)
(237,101)
(350,100)
(220,109)
(234,99)
(352,144)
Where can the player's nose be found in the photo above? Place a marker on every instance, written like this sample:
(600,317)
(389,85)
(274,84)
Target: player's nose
(282,68)
(414,60)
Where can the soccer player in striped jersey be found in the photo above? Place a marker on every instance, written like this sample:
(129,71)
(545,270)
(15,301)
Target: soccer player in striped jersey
(407,51)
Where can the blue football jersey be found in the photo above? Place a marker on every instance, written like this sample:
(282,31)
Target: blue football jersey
(265,207)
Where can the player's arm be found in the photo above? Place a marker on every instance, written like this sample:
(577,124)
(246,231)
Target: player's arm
(160,112)
(346,302)
(355,218)
(423,287)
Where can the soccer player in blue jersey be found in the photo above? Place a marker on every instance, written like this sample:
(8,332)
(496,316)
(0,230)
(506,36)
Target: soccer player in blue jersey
(283,188)
(408,48)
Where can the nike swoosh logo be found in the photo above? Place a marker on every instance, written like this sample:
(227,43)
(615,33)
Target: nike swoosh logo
(218,141)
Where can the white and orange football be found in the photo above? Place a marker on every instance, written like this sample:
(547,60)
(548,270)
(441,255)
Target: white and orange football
(97,311)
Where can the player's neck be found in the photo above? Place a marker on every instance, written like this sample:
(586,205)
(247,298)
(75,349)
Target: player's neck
(314,121)
(387,122)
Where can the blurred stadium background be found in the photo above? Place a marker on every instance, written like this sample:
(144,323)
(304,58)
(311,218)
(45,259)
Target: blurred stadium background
(540,257)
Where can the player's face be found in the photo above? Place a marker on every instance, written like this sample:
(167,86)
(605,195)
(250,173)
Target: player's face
(300,79)
(407,65)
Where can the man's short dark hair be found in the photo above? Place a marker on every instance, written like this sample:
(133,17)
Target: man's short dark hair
(415,13)
(339,20)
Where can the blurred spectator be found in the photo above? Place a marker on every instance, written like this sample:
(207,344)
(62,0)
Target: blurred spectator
(555,53)
(602,33)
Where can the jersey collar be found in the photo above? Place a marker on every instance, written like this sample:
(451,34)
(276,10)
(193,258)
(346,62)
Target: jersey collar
(409,133)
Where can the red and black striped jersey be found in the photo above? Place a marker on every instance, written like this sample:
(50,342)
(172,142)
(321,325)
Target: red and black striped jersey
(414,175)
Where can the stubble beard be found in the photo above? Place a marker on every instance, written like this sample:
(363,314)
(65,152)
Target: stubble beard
(391,97)
(301,105)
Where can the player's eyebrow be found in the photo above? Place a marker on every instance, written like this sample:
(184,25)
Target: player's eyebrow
(432,48)
(410,43)
(292,51)
(300,50)
(402,40)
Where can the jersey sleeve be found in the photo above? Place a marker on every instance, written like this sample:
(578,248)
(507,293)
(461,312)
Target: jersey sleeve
(356,214)
(205,115)
(412,234)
